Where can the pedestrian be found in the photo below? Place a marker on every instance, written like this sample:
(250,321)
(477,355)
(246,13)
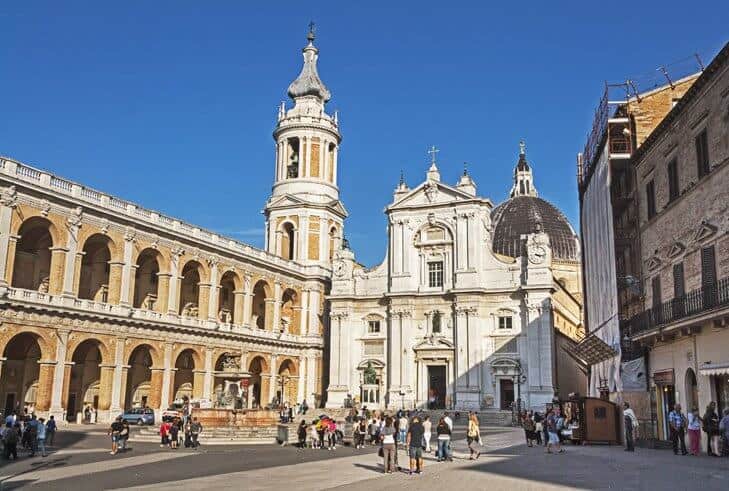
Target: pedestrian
(290,415)
(164,429)
(10,441)
(631,424)
(545,430)
(711,427)
(677,423)
(553,438)
(32,430)
(449,422)
(414,441)
(123,436)
(473,436)
(387,438)
(538,427)
(528,424)
(360,432)
(724,433)
(301,434)
(196,430)
(694,430)
(313,436)
(41,436)
(304,407)
(443,432)
(115,431)
(427,426)
(331,435)
(188,433)
(50,430)
(402,427)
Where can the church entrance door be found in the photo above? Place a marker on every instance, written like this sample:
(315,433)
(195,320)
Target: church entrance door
(507,393)
(436,386)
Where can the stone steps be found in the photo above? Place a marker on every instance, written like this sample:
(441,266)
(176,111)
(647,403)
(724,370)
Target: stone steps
(218,436)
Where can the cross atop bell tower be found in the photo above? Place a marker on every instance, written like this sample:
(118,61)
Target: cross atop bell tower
(304,217)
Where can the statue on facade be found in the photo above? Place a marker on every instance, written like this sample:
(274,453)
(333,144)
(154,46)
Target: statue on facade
(369,376)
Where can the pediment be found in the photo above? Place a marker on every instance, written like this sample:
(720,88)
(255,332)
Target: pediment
(653,263)
(434,343)
(285,200)
(676,250)
(705,231)
(338,207)
(431,193)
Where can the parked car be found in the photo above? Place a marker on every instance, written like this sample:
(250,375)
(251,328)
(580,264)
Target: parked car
(138,415)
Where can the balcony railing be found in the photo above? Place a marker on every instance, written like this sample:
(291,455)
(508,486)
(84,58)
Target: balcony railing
(699,301)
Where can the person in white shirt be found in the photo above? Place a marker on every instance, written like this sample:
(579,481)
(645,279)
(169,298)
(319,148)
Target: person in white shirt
(449,422)
(427,426)
(403,428)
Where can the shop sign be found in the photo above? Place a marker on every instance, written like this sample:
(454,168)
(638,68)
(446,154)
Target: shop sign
(664,377)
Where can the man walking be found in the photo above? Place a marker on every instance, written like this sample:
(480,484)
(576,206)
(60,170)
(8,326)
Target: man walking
(50,430)
(414,442)
(195,430)
(41,436)
(449,422)
(677,422)
(403,428)
(631,423)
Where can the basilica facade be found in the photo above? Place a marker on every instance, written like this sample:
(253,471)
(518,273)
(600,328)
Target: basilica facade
(474,307)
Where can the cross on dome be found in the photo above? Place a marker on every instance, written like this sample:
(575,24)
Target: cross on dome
(433,153)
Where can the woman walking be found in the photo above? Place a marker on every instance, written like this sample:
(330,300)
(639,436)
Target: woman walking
(428,427)
(711,427)
(387,437)
(529,427)
(301,434)
(473,436)
(694,430)
(444,437)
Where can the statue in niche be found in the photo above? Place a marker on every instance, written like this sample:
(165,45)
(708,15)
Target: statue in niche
(230,362)
(369,376)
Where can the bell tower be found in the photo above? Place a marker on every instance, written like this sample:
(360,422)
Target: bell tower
(304,217)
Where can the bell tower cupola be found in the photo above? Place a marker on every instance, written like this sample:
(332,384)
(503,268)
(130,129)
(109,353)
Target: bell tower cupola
(304,217)
(523,178)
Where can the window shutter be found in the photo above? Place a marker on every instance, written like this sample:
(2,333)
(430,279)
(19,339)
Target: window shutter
(708,266)
(656,287)
(678,281)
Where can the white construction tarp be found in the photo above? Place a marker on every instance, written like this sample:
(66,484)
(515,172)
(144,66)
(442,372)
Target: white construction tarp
(601,296)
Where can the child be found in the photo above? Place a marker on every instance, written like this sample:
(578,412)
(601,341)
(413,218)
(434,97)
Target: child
(314,436)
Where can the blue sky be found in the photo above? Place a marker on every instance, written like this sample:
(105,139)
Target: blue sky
(171,104)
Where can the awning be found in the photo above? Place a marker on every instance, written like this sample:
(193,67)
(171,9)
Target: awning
(715,368)
(592,350)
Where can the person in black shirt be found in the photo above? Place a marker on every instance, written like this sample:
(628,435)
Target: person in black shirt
(115,432)
(415,445)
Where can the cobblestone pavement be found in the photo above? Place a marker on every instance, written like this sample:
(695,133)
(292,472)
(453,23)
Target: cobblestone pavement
(81,461)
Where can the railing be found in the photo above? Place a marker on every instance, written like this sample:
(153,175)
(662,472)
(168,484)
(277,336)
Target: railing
(619,145)
(699,301)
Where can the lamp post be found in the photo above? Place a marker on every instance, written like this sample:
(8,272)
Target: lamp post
(402,399)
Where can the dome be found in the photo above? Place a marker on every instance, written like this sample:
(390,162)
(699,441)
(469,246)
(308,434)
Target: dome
(308,82)
(525,215)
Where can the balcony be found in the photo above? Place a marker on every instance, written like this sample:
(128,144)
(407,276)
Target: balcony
(116,312)
(696,307)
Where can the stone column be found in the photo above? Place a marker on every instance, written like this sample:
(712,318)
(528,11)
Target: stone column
(397,248)
(8,202)
(301,388)
(45,386)
(127,277)
(471,227)
(239,298)
(276,306)
(117,389)
(68,366)
(311,377)
(105,386)
(167,377)
(123,385)
(273,382)
(247,300)
(74,225)
(303,238)
(313,328)
(116,270)
(10,260)
(462,241)
(155,390)
(173,299)
(461,346)
(203,301)
(208,380)
(198,384)
(56,407)
(304,317)
(163,292)
(58,259)
(214,300)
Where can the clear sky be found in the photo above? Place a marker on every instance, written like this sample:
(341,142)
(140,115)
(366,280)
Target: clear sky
(171,104)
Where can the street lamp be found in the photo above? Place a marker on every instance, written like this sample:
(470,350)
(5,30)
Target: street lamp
(402,399)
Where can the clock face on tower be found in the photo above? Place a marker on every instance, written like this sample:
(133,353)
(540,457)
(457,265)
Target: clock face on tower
(537,254)
(339,269)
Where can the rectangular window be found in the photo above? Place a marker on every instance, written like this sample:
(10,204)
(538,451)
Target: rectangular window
(656,289)
(702,154)
(650,198)
(435,274)
(373,327)
(673,180)
(708,276)
(505,322)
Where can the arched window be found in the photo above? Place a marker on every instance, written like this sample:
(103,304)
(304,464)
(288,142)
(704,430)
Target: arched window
(288,241)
